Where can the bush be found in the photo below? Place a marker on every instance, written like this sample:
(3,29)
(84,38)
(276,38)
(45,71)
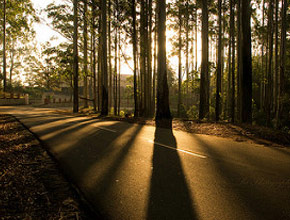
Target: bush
(192,112)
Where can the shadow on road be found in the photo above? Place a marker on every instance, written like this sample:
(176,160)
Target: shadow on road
(170,196)
(252,193)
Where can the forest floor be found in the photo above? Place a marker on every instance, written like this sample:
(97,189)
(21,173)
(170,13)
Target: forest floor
(31,184)
(239,132)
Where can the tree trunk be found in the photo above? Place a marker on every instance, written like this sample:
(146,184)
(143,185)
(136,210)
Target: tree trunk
(219,64)
(4,47)
(110,56)
(204,81)
(150,111)
(85,35)
(246,77)
(163,115)
(179,64)
(275,87)
(239,62)
(134,42)
(269,73)
(104,64)
(232,24)
(75,58)
(281,79)
(94,55)
(187,49)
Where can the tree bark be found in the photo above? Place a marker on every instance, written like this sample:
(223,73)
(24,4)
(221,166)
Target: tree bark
(85,35)
(281,79)
(269,84)
(4,47)
(219,64)
(232,24)
(163,115)
(179,63)
(134,42)
(110,90)
(75,58)
(246,77)
(204,81)
(104,64)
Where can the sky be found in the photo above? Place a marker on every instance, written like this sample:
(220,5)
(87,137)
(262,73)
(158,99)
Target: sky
(43,32)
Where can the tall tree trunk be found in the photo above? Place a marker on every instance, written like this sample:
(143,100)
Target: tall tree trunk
(196,30)
(262,83)
(246,78)
(4,47)
(142,57)
(116,60)
(119,80)
(12,56)
(104,63)
(150,111)
(275,87)
(187,49)
(204,81)
(163,115)
(232,24)
(94,55)
(229,76)
(179,63)
(239,62)
(219,64)
(269,87)
(110,55)
(75,58)
(281,79)
(155,64)
(85,35)
(134,42)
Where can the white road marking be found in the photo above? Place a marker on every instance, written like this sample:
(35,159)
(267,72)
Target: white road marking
(177,149)
(107,129)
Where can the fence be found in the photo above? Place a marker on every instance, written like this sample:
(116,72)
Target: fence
(13,99)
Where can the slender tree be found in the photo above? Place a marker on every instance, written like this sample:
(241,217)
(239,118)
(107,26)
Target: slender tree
(134,42)
(233,65)
(204,81)
(75,59)
(4,47)
(219,64)
(269,85)
(104,63)
(281,79)
(94,64)
(179,62)
(246,76)
(163,115)
(85,35)
(110,54)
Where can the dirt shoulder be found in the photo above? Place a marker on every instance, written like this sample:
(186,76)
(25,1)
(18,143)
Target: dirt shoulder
(31,185)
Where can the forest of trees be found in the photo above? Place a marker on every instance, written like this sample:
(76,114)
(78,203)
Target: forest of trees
(233,56)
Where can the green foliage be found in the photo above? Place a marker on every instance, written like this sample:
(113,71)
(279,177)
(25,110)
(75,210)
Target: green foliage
(192,112)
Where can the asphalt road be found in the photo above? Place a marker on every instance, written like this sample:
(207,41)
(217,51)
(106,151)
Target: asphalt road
(130,171)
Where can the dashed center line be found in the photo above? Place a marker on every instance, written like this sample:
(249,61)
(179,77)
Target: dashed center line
(107,129)
(177,149)
(162,145)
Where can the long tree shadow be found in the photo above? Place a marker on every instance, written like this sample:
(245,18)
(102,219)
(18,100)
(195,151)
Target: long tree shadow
(254,196)
(170,196)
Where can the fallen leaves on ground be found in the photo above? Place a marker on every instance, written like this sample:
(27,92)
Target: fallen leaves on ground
(31,185)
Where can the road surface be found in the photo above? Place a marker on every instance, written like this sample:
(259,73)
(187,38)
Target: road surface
(130,171)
